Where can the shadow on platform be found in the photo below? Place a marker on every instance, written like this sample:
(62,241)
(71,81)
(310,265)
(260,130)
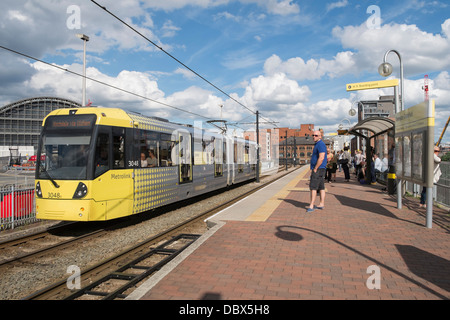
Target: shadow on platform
(420,262)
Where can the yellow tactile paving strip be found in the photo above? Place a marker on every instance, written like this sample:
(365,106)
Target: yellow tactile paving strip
(264,212)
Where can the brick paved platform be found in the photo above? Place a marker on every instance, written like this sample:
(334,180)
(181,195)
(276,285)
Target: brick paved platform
(279,251)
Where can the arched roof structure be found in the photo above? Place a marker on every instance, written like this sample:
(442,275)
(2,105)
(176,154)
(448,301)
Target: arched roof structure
(20,121)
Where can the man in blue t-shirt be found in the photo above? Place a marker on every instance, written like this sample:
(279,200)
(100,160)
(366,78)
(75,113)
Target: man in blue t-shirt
(318,170)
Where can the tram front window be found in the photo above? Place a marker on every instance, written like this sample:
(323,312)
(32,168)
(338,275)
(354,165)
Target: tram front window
(65,156)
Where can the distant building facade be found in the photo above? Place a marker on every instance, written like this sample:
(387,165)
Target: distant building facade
(304,131)
(298,149)
(383,107)
(268,141)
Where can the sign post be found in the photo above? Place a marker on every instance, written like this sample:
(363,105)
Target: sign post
(430,161)
(414,144)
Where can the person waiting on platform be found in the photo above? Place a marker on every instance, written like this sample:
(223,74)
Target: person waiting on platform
(345,161)
(331,165)
(437,175)
(318,169)
(359,163)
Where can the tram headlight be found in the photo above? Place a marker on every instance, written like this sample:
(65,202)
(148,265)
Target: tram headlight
(80,192)
(38,190)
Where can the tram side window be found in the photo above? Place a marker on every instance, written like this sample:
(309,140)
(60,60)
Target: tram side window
(155,149)
(118,148)
(166,146)
(247,153)
(102,154)
(149,150)
(224,152)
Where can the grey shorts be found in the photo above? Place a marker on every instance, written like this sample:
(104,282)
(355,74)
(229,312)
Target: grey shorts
(316,181)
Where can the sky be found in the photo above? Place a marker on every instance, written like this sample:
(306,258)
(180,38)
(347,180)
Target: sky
(288,59)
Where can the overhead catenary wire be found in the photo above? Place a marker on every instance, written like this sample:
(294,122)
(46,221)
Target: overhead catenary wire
(180,62)
(101,82)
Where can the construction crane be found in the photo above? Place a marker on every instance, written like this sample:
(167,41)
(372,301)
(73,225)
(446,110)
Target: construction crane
(425,87)
(443,131)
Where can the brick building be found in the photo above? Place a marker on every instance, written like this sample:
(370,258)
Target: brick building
(304,131)
(298,148)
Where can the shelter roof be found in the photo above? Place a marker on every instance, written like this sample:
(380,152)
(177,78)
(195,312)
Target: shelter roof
(376,125)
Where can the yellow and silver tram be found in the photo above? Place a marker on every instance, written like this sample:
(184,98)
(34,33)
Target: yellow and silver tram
(103,163)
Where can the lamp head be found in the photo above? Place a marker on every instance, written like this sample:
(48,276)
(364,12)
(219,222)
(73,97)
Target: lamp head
(352,112)
(385,69)
(83,36)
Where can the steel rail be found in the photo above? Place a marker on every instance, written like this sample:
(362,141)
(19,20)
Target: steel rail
(52,247)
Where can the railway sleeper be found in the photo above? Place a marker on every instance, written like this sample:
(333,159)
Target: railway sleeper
(133,279)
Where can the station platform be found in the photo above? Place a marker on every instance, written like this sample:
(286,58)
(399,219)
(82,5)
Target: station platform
(359,247)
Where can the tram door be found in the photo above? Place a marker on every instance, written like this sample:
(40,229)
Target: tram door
(218,157)
(228,159)
(113,181)
(185,157)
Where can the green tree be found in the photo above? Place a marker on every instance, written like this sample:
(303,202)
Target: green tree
(446,157)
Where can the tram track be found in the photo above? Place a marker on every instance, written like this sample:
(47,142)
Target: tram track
(45,250)
(96,282)
(55,238)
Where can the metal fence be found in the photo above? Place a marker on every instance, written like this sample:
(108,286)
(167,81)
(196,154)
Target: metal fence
(442,188)
(17,206)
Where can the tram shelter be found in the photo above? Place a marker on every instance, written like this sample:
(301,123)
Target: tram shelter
(368,129)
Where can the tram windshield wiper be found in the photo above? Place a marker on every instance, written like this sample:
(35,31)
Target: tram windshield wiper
(50,177)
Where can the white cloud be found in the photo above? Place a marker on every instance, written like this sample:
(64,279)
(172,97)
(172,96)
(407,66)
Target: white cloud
(276,89)
(278,7)
(49,81)
(15,14)
(169,5)
(186,73)
(313,69)
(421,51)
(284,7)
(334,109)
(338,4)
(440,90)
(228,16)
(36,21)
(295,67)
(442,81)
(203,102)
(169,29)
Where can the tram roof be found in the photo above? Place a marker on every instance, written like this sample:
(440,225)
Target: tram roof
(122,118)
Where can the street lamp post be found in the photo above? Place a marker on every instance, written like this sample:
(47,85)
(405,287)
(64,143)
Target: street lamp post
(385,69)
(85,39)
